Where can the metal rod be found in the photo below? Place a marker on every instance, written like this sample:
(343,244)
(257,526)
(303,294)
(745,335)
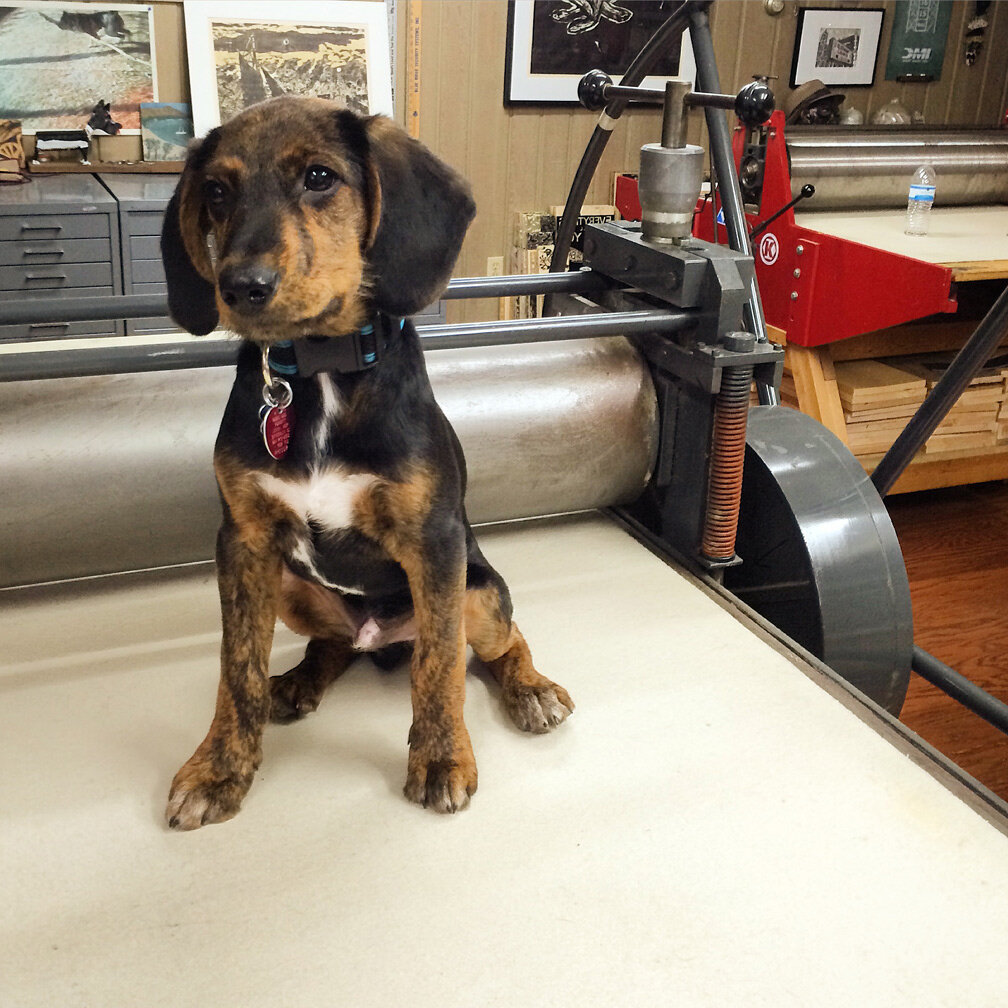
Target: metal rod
(580,282)
(83,309)
(133,306)
(973,356)
(728,183)
(957,686)
(703,99)
(480,334)
(128,358)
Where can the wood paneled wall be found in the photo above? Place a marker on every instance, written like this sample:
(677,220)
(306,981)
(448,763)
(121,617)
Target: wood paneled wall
(524,159)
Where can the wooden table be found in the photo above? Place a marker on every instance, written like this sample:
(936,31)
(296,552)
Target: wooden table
(973,242)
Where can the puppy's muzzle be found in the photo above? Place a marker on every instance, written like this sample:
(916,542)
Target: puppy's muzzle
(248,289)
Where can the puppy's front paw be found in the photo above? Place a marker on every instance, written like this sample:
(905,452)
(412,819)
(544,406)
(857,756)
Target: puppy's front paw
(539,708)
(442,783)
(197,798)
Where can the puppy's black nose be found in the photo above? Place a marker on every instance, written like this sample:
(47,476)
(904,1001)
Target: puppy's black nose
(247,288)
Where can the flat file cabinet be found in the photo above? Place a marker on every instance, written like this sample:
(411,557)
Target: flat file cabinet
(142,200)
(59,237)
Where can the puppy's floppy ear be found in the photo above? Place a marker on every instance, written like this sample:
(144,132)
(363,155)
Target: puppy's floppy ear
(420,211)
(188,269)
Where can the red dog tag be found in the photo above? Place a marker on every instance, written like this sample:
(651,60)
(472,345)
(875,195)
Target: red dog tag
(277,426)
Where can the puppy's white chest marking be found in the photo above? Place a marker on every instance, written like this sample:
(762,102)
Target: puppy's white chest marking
(331,407)
(326,496)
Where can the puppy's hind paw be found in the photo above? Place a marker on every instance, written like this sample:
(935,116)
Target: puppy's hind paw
(292,697)
(539,708)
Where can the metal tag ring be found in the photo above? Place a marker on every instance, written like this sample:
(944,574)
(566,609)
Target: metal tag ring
(277,394)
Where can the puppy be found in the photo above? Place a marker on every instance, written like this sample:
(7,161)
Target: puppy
(341,481)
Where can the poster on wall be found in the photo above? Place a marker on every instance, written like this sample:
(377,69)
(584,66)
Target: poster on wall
(552,44)
(917,48)
(58,60)
(241,53)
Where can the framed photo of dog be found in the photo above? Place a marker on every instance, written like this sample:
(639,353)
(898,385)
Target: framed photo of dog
(552,44)
(243,52)
(70,56)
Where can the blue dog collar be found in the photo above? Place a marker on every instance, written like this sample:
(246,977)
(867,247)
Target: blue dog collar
(310,355)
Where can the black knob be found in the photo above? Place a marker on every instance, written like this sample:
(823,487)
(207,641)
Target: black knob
(754,103)
(591,90)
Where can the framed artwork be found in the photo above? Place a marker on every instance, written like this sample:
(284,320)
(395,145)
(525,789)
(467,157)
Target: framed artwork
(552,44)
(917,47)
(165,130)
(69,56)
(836,45)
(245,51)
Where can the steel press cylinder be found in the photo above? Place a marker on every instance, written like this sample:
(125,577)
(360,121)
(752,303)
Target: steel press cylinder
(669,185)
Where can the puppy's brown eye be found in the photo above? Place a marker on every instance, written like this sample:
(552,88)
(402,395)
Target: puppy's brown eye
(319,178)
(214,193)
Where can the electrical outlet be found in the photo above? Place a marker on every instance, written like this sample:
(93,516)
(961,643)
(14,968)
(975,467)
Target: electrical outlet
(495,266)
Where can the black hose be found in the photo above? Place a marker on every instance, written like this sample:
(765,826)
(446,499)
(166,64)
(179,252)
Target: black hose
(635,73)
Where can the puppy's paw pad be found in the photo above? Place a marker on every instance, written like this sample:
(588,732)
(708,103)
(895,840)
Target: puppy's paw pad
(441,785)
(291,698)
(538,709)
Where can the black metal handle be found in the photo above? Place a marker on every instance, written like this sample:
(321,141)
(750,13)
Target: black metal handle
(753,104)
(807,190)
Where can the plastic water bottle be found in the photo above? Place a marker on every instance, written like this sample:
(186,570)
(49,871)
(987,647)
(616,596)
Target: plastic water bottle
(922,194)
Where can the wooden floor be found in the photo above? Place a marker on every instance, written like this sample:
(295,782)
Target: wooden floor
(955,543)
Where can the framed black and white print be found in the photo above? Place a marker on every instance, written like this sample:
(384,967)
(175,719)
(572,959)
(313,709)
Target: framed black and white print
(836,46)
(244,51)
(552,44)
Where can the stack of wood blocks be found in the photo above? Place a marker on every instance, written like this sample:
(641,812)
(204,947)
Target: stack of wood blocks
(880,396)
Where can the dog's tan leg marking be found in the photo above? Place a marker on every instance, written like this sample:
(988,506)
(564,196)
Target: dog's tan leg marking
(534,703)
(441,771)
(299,691)
(211,785)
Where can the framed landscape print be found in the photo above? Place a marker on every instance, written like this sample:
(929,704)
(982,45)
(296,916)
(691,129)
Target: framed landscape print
(241,53)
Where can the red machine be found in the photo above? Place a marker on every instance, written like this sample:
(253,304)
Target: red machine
(816,287)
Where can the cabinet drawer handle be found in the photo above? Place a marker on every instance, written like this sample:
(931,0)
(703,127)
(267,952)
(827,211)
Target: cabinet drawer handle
(41,252)
(41,227)
(49,325)
(42,276)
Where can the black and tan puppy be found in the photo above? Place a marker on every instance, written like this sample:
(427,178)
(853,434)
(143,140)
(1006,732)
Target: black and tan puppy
(341,481)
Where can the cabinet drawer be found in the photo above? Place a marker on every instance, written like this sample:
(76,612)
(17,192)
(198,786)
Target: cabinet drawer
(55,277)
(20,227)
(150,325)
(58,330)
(147,271)
(145,222)
(73,250)
(145,246)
